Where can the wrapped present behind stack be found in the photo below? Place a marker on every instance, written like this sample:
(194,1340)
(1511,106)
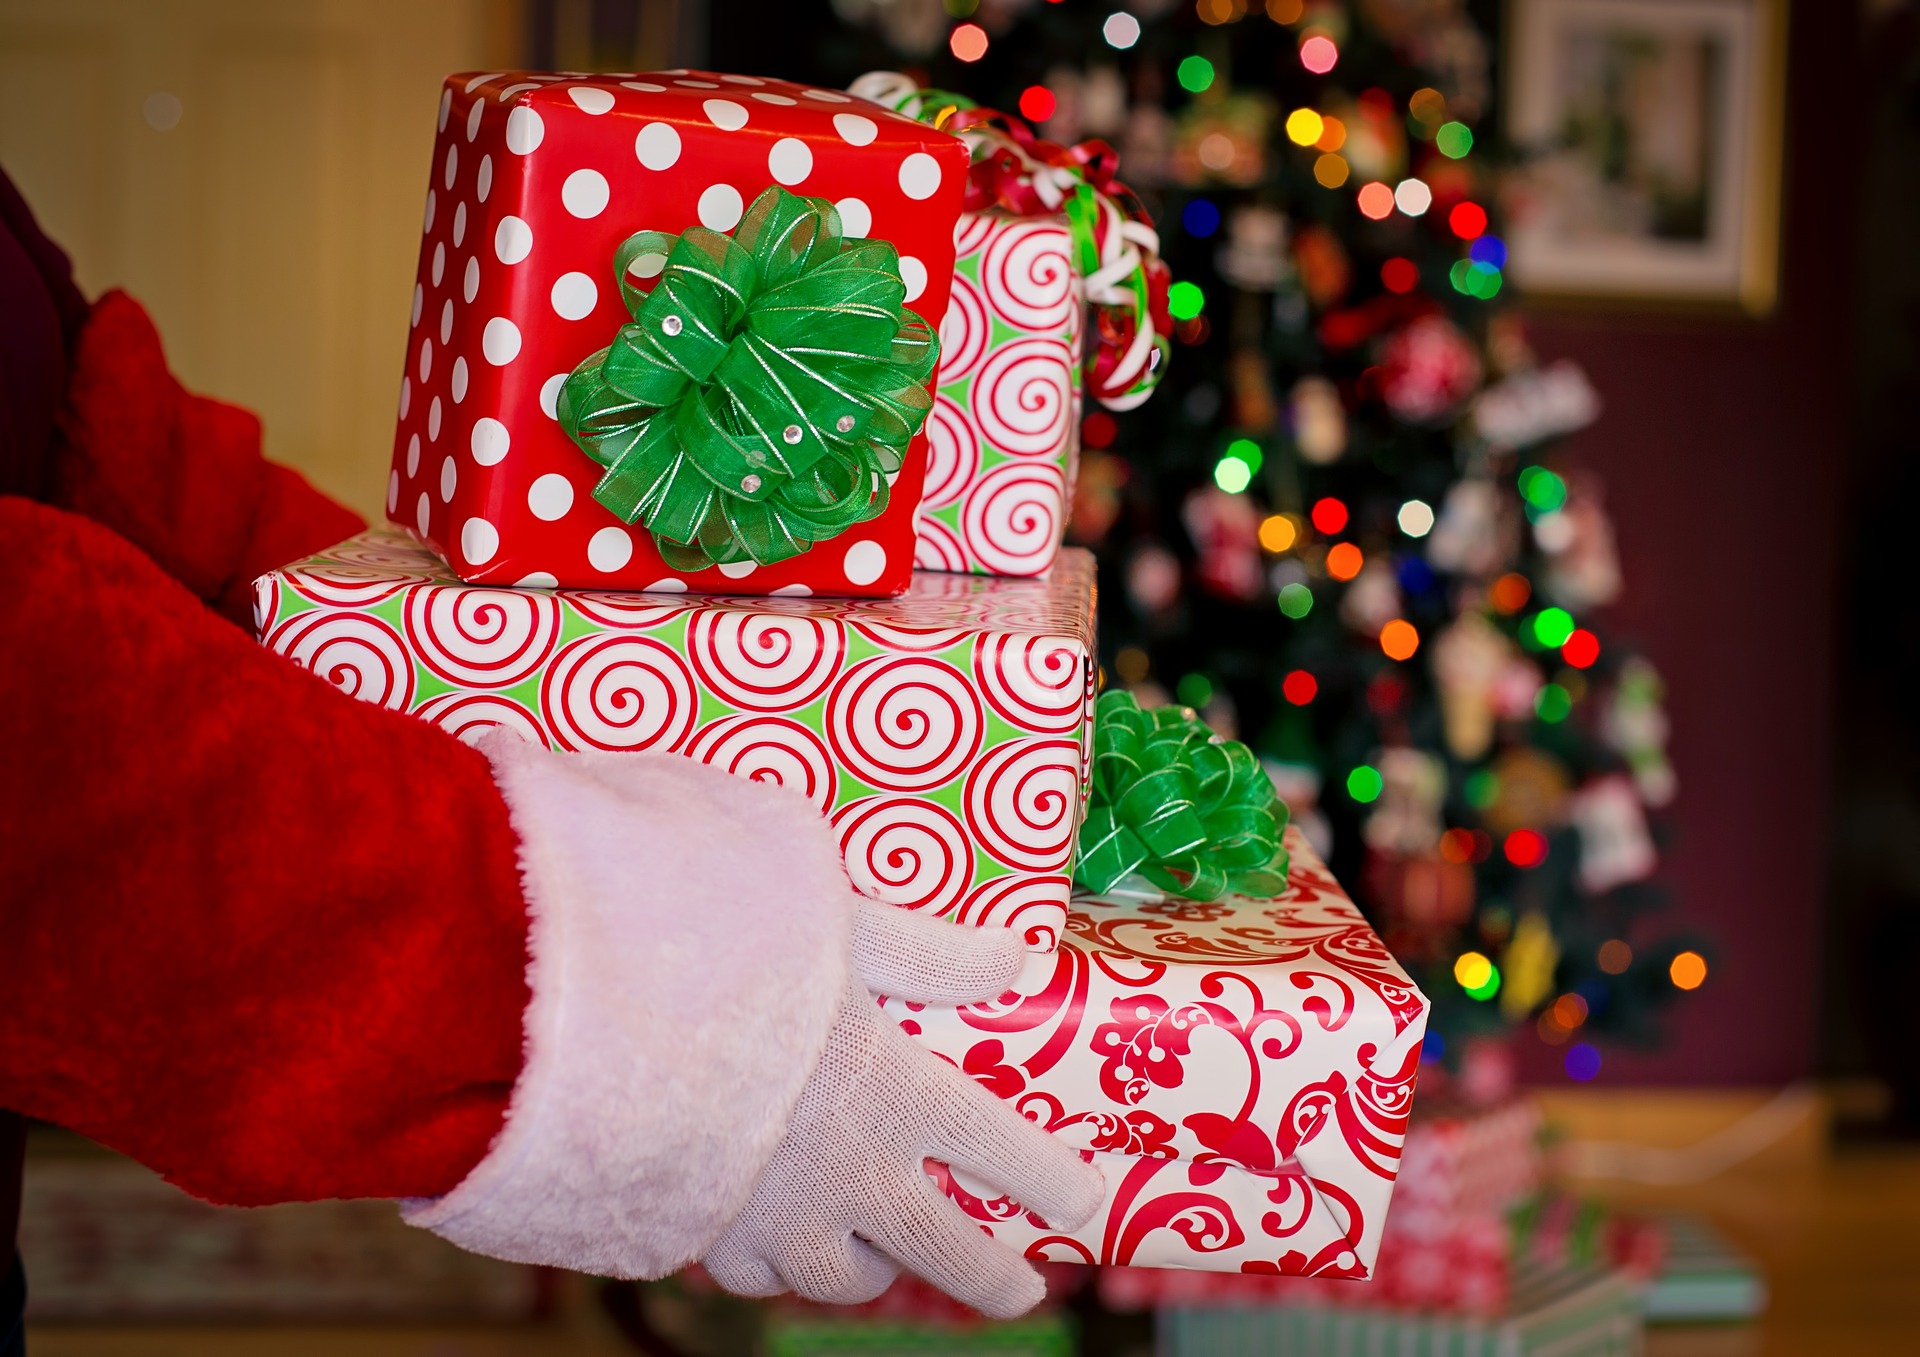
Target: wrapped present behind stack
(674,330)
(945,733)
(1241,1070)
(1058,292)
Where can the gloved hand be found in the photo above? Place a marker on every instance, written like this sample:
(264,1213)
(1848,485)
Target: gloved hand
(845,1201)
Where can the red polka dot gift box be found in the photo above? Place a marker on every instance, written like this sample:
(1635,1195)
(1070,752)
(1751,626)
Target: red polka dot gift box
(1241,1072)
(674,330)
(946,733)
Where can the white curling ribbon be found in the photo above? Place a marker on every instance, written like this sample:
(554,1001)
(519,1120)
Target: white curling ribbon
(481,638)
(356,652)
(1035,683)
(1023,397)
(468,716)
(765,662)
(1023,802)
(1027,273)
(619,692)
(905,851)
(953,454)
(904,723)
(774,749)
(1014,517)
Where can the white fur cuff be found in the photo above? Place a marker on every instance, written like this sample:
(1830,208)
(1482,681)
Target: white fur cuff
(689,940)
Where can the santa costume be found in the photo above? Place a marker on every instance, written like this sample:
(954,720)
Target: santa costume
(281,945)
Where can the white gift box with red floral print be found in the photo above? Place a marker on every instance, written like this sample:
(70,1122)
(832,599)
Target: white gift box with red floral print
(945,732)
(1242,1071)
(1004,434)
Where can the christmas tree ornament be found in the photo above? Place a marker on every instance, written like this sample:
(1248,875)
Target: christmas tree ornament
(763,395)
(1468,660)
(1318,419)
(1225,531)
(1530,792)
(1322,264)
(1615,847)
(1255,408)
(1222,141)
(1634,723)
(1477,533)
(1096,497)
(1527,966)
(1583,570)
(1427,370)
(1254,257)
(1191,812)
(1533,406)
(1372,599)
(1405,818)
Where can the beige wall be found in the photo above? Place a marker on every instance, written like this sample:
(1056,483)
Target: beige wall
(272,230)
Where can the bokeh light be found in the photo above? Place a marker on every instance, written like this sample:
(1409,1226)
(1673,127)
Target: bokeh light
(1454,139)
(1319,54)
(1580,649)
(1194,690)
(1296,601)
(1329,515)
(1331,171)
(1304,127)
(1615,956)
(1489,250)
(1415,518)
(1232,475)
(1510,593)
(1200,217)
(1299,687)
(1216,12)
(1525,847)
(968,42)
(1285,11)
(1543,490)
(1121,30)
(1098,429)
(1278,533)
(1344,560)
(1456,846)
(1399,639)
(1185,300)
(1376,200)
(1400,275)
(1688,971)
(1427,105)
(1569,1011)
(1413,197)
(1037,103)
(1552,704)
(1333,135)
(1364,784)
(1475,973)
(1552,627)
(1195,74)
(1583,1062)
(1247,451)
(1467,220)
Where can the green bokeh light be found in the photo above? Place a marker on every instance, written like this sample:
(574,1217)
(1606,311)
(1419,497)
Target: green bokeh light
(1296,601)
(1483,281)
(1454,139)
(1195,74)
(1553,704)
(1185,300)
(1482,788)
(1542,489)
(1488,988)
(1247,451)
(1194,690)
(1552,627)
(1364,784)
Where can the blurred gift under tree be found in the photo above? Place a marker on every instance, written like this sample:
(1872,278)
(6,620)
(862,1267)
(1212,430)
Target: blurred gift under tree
(1341,529)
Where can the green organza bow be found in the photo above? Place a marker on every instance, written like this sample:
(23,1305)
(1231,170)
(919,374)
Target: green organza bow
(1191,811)
(766,388)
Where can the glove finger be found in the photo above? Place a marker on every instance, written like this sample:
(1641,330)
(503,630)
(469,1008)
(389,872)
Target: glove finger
(981,1135)
(930,961)
(936,1239)
(741,1271)
(843,1271)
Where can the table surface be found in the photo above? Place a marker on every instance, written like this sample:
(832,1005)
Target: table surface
(1839,1240)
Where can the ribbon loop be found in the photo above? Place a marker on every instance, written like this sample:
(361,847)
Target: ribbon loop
(1191,812)
(769,383)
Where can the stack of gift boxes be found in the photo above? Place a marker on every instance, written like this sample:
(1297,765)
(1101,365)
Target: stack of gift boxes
(645,499)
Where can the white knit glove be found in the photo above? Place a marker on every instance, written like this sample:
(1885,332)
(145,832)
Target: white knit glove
(845,1201)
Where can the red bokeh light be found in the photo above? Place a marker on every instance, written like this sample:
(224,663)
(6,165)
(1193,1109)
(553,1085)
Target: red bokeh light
(1400,275)
(1376,200)
(1468,220)
(1329,515)
(1037,103)
(1098,430)
(1526,848)
(968,42)
(1300,687)
(1581,649)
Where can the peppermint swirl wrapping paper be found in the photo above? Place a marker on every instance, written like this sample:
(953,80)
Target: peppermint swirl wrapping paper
(1242,1072)
(945,733)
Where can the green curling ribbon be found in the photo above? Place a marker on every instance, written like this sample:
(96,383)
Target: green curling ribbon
(768,384)
(1191,811)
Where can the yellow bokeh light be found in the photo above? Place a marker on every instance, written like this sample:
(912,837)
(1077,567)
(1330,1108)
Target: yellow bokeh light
(1472,970)
(1330,170)
(1221,11)
(1688,971)
(1304,126)
(1285,11)
(1428,105)
(1333,134)
(1278,533)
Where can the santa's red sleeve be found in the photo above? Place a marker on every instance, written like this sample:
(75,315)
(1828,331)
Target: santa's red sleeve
(279,944)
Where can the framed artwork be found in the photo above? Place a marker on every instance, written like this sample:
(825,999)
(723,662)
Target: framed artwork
(1649,137)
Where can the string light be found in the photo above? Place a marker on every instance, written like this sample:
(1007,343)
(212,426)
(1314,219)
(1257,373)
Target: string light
(1475,973)
(1330,171)
(1427,105)
(1364,784)
(1247,451)
(1304,126)
(1217,12)
(1413,197)
(1200,217)
(1299,687)
(1329,515)
(1232,475)
(1415,518)
(1285,11)
(1454,140)
(1376,200)
(1456,846)
(1467,220)
(1583,1062)
(1489,250)
(1525,847)
(1121,30)
(1552,704)
(1475,279)
(1399,639)
(1296,601)
(1581,649)
(1543,490)
(1552,627)
(1510,593)
(1278,533)
(1569,1011)
(1688,971)
(1037,103)
(1344,561)
(968,42)
(1195,74)
(1185,300)
(1400,275)
(1318,54)
(1333,134)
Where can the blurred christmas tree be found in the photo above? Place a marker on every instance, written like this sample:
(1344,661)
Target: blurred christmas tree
(1341,529)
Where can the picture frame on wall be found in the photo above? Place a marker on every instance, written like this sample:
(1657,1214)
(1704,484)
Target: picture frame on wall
(1648,135)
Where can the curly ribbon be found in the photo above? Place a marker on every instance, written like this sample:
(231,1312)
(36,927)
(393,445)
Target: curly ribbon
(768,385)
(1115,246)
(1191,811)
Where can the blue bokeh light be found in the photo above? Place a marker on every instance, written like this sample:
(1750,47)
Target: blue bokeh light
(1200,217)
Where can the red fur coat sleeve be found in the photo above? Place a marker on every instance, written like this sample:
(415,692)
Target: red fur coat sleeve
(267,939)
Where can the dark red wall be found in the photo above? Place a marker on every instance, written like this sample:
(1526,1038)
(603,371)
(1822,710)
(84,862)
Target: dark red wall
(1724,447)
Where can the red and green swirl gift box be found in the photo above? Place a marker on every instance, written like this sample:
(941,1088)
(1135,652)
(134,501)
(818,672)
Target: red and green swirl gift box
(946,733)
(537,181)
(1240,1071)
